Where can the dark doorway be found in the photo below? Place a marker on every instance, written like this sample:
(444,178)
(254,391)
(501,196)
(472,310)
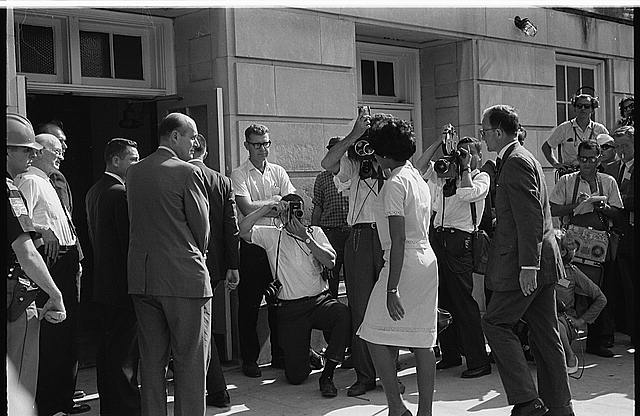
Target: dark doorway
(89,123)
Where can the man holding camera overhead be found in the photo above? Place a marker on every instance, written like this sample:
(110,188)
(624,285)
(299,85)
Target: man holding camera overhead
(356,178)
(300,294)
(460,188)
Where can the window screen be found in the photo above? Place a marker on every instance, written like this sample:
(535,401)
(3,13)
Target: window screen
(37,50)
(95,54)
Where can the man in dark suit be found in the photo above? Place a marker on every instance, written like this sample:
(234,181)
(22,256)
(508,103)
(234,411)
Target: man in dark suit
(222,258)
(167,273)
(108,221)
(524,265)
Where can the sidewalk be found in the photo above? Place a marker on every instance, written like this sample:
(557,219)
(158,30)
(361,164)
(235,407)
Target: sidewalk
(606,388)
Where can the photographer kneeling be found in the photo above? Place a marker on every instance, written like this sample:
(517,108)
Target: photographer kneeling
(297,254)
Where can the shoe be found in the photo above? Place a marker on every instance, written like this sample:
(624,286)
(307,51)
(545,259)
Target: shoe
(533,407)
(600,351)
(277,363)
(347,363)
(444,364)
(327,388)
(251,370)
(219,399)
(77,409)
(78,394)
(477,372)
(572,369)
(358,388)
(315,360)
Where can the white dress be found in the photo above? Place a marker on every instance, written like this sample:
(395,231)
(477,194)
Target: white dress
(406,194)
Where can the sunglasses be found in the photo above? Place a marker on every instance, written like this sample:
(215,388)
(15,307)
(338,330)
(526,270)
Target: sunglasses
(583,106)
(589,159)
(259,145)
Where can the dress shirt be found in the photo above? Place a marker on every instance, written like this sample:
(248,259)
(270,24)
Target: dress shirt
(247,180)
(457,209)
(562,193)
(44,205)
(333,205)
(569,134)
(116,177)
(361,192)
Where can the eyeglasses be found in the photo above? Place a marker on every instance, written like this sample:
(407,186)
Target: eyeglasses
(483,132)
(607,146)
(590,159)
(259,145)
(582,106)
(57,152)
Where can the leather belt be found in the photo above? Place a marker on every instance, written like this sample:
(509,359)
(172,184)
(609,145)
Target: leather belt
(361,225)
(65,249)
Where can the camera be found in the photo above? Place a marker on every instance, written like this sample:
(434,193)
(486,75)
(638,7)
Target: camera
(295,210)
(271,291)
(448,166)
(364,110)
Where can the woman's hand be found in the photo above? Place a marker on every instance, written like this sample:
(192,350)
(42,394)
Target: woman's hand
(394,306)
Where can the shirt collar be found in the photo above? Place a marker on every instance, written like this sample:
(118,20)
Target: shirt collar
(250,166)
(506,146)
(36,171)
(629,164)
(113,175)
(168,149)
(574,123)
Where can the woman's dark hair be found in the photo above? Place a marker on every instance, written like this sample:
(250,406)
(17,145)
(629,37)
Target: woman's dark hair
(392,137)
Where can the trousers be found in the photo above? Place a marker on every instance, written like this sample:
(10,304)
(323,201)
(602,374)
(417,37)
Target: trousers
(337,236)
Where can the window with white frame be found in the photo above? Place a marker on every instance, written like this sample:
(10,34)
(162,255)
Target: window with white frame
(573,73)
(383,73)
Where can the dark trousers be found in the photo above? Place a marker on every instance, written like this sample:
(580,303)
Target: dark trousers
(58,363)
(215,377)
(625,267)
(455,286)
(337,236)
(297,318)
(362,264)
(117,361)
(599,332)
(255,275)
(539,311)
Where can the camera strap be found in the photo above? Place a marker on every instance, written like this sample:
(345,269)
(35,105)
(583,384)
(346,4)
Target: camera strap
(278,254)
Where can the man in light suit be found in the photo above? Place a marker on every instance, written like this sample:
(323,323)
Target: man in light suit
(524,265)
(108,223)
(168,276)
(222,258)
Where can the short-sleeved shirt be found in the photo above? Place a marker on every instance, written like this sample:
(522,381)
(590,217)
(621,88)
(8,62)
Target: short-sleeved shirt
(569,135)
(298,271)
(18,220)
(361,192)
(247,180)
(562,193)
(404,194)
(333,205)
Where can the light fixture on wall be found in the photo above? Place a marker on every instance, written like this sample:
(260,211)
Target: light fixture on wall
(525,26)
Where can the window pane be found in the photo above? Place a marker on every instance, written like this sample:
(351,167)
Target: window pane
(95,57)
(572,112)
(573,80)
(127,56)
(368,76)
(587,79)
(561,113)
(560,86)
(385,79)
(37,51)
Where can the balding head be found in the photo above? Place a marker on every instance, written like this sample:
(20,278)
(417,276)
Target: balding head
(50,156)
(178,132)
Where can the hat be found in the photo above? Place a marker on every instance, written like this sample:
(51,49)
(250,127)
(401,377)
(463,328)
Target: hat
(333,141)
(603,139)
(20,132)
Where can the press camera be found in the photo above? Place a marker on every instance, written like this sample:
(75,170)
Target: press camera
(448,166)
(295,210)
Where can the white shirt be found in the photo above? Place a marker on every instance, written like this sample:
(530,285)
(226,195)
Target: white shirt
(298,271)
(44,205)
(457,208)
(569,134)
(113,175)
(361,192)
(562,193)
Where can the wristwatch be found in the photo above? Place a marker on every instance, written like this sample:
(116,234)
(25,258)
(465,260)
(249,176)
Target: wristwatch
(307,240)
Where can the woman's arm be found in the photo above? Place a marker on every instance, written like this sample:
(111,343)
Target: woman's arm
(396,259)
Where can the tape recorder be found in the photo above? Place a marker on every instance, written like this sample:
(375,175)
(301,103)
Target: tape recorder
(592,244)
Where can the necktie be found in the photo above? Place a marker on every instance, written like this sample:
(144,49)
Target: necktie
(498,165)
(621,174)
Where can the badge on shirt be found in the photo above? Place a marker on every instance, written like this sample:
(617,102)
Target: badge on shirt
(18,207)
(564,282)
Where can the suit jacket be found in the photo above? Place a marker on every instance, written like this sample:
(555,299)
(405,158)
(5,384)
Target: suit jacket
(524,232)
(108,223)
(224,242)
(169,228)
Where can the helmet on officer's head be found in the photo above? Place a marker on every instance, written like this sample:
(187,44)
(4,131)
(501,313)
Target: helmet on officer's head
(20,132)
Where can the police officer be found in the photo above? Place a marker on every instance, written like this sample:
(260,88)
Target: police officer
(25,268)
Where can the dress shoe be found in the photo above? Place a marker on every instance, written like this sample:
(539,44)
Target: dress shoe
(327,388)
(477,372)
(315,360)
(218,399)
(358,388)
(78,394)
(533,407)
(251,370)
(444,363)
(600,351)
(78,408)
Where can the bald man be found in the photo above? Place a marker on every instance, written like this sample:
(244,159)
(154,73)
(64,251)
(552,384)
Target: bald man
(167,273)
(58,367)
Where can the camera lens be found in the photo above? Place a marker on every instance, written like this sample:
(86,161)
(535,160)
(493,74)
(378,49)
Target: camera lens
(441,166)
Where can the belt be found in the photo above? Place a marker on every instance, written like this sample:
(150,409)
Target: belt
(300,300)
(449,230)
(361,225)
(339,227)
(65,249)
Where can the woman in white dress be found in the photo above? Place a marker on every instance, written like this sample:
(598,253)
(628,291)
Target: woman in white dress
(402,309)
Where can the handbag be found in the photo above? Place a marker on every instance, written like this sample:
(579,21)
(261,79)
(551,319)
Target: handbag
(480,242)
(444,319)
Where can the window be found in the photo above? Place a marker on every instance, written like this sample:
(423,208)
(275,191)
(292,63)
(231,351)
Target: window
(377,78)
(383,73)
(571,74)
(36,49)
(97,59)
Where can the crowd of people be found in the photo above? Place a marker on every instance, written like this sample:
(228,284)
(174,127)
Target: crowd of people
(166,230)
